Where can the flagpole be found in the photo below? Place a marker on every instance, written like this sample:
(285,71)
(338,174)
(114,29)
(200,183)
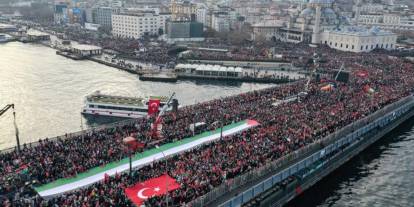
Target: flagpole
(222,119)
(166,173)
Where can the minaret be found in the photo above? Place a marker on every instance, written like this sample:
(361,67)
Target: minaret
(357,11)
(316,35)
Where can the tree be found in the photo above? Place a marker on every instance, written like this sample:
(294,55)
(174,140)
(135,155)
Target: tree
(260,41)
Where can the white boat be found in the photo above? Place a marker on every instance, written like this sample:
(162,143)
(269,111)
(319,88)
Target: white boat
(119,106)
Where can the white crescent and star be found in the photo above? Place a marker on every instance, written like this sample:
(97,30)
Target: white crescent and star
(154,105)
(141,195)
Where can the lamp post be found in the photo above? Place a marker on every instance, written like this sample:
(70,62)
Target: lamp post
(166,172)
(128,141)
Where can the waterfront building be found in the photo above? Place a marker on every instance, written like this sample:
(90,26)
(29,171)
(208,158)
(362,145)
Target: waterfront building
(86,50)
(34,36)
(359,39)
(8,28)
(209,71)
(137,24)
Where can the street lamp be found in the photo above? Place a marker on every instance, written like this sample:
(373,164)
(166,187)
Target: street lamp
(166,172)
(129,141)
(222,123)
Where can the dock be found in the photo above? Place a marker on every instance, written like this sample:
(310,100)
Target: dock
(249,79)
(69,55)
(124,68)
(159,77)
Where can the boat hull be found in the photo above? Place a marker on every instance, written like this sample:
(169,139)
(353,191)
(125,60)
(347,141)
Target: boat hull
(113,113)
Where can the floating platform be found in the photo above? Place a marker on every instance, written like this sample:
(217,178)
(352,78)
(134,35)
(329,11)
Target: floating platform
(69,55)
(159,77)
(239,79)
(129,70)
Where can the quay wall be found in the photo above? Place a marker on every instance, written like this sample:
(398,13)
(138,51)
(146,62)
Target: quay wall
(332,152)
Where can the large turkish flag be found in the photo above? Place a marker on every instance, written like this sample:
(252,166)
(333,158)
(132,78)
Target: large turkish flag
(153,187)
(153,106)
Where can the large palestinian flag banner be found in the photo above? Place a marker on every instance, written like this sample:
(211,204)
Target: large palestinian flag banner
(150,188)
(97,174)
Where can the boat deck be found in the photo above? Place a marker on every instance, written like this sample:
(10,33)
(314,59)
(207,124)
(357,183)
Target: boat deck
(120,100)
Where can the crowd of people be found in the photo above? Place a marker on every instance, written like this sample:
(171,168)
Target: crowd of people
(283,128)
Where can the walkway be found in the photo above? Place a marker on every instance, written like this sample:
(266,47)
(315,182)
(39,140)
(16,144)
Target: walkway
(140,159)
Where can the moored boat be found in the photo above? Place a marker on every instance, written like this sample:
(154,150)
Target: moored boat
(119,106)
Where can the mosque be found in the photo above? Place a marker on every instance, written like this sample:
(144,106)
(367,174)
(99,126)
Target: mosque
(320,22)
(319,15)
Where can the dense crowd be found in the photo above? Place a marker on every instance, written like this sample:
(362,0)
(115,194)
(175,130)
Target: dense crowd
(283,128)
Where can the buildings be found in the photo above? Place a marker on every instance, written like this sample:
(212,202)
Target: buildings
(102,16)
(390,21)
(220,21)
(319,23)
(184,31)
(383,16)
(359,39)
(183,10)
(60,14)
(306,26)
(86,50)
(137,24)
(36,36)
(269,30)
(202,15)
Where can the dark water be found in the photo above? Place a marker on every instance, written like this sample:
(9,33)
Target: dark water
(381,176)
(48,91)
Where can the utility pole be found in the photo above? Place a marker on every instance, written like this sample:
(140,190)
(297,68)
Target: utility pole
(2,111)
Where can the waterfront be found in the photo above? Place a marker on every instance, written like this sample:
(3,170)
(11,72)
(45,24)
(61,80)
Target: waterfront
(380,176)
(48,90)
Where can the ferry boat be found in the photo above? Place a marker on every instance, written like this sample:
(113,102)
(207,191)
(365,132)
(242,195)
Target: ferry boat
(119,106)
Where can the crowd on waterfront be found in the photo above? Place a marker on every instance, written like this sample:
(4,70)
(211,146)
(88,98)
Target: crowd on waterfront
(283,128)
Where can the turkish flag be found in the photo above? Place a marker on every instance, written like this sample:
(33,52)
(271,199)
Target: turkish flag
(153,187)
(153,106)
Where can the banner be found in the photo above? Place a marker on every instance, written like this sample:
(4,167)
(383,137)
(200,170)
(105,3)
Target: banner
(153,187)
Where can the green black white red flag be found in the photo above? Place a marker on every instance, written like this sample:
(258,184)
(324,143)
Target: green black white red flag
(153,187)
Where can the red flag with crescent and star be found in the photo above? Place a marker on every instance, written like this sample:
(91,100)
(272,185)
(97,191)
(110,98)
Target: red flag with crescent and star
(153,106)
(153,187)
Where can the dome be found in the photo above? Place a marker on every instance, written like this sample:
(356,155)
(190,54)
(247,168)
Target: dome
(329,13)
(320,1)
(308,12)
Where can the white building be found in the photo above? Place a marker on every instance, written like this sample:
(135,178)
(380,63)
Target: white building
(359,39)
(220,22)
(387,21)
(86,50)
(136,25)
(202,14)
(369,8)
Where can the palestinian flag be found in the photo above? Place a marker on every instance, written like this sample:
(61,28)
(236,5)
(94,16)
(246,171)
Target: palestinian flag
(150,188)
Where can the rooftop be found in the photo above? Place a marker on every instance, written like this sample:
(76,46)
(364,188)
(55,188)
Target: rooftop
(362,31)
(209,68)
(86,47)
(122,100)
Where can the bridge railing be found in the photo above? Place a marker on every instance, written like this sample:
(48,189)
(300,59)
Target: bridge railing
(78,133)
(250,177)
